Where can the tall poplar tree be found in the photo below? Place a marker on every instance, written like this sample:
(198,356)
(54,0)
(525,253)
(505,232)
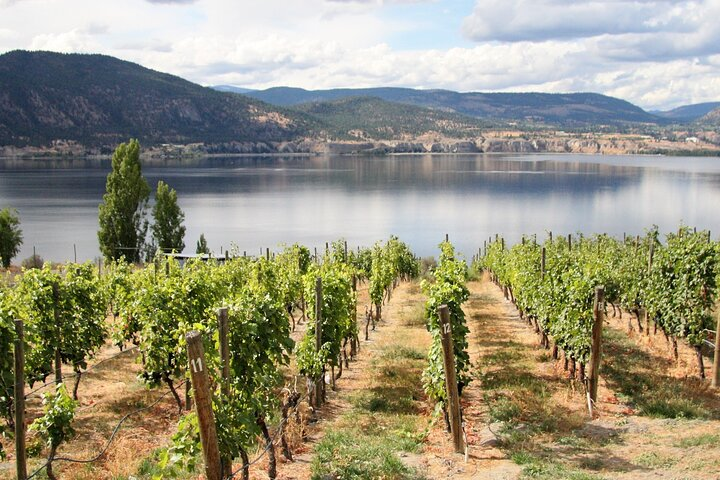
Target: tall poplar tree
(168,230)
(10,235)
(122,212)
(201,247)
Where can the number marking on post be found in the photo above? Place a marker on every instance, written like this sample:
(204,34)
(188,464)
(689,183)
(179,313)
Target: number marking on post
(196,364)
(446,328)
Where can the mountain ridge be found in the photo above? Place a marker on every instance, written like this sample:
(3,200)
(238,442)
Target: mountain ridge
(688,113)
(69,103)
(101,100)
(563,109)
(372,118)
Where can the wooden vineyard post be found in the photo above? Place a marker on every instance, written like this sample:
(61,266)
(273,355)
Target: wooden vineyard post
(650,256)
(596,350)
(716,361)
(318,339)
(56,316)
(203,405)
(19,401)
(542,263)
(451,385)
(222,317)
(345,257)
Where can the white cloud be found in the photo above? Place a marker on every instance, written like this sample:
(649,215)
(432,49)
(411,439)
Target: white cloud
(519,20)
(172,2)
(74,41)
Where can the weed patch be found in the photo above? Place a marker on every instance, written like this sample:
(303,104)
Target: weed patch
(655,460)
(633,374)
(699,441)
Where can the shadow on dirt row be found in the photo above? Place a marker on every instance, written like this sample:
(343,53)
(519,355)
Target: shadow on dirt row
(639,381)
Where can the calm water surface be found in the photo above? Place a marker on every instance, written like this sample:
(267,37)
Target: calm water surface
(254,202)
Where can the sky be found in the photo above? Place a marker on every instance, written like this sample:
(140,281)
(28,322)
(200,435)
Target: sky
(656,54)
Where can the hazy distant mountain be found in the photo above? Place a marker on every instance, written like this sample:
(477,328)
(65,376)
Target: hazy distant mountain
(689,113)
(231,89)
(370,117)
(560,109)
(711,118)
(101,100)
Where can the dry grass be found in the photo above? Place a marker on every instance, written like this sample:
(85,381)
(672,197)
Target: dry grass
(106,394)
(542,419)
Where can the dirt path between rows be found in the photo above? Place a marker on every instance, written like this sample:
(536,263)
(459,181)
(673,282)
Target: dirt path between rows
(400,327)
(538,417)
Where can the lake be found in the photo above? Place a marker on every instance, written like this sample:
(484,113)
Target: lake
(257,202)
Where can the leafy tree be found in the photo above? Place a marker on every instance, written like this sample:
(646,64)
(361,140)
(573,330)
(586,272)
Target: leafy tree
(122,211)
(168,230)
(202,246)
(10,235)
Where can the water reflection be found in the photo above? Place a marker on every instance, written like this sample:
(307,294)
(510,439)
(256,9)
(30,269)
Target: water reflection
(263,201)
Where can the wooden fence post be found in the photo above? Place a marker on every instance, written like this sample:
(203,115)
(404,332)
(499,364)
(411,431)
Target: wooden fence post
(19,401)
(450,379)
(319,384)
(203,405)
(596,349)
(716,361)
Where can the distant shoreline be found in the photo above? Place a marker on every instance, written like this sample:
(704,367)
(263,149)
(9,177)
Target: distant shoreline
(490,143)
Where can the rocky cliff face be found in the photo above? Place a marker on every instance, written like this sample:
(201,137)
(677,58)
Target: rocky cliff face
(583,144)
